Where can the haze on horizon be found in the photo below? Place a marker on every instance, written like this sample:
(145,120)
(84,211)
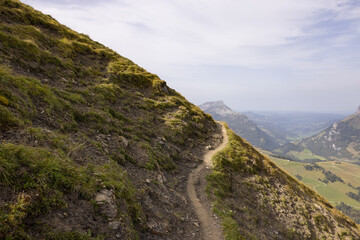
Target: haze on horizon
(299,55)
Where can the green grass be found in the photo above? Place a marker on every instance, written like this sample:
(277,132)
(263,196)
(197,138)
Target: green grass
(51,175)
(306,154)
(349,172)
(235,156)
(333,192)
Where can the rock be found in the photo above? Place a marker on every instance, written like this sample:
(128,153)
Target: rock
(161,178)
(160,142)
(115,225)
(217,136)
(358,111)
(124,141)
(106,201)
(209,147)
(165,89)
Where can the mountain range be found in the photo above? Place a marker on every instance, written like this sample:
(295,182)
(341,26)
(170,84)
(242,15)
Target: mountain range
(292,126)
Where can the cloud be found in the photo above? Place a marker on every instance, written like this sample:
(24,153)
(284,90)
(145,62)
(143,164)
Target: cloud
(196,31)
(309,38)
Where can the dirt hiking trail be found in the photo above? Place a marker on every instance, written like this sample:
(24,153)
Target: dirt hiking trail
(196,185)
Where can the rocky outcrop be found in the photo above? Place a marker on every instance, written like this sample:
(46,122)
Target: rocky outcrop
(105,199)
(358,111)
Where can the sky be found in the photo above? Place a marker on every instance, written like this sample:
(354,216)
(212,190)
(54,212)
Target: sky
(279,55)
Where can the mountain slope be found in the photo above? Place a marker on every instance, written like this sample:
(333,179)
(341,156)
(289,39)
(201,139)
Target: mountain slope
(246,186)
(241,124)
(92,145)
(287,126)
(339,141)
(95,147)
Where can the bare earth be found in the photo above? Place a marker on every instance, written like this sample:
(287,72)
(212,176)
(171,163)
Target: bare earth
(195,188)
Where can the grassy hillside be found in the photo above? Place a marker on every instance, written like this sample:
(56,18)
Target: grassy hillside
(76,119)
(245,186)
(334,192)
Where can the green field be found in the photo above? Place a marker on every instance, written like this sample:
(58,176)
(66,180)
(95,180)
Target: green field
(333,192)
(306,154)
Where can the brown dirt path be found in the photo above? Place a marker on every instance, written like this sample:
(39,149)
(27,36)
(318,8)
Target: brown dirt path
(195,188)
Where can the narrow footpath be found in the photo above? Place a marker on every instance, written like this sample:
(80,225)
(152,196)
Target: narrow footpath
(196,185)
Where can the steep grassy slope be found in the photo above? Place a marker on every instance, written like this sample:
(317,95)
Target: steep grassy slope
(257,200)
(92,145)
(335,192)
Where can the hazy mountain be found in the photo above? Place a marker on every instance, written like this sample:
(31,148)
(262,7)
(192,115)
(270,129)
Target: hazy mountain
(241,125)
(95,147)
(339,141)
(287,126)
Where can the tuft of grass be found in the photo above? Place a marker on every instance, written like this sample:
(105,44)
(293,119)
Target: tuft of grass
(15,214)
(4,101)
(230,228)
(8,120)
(218,184)
(26,168)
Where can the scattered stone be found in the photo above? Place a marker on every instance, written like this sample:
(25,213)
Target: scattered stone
(217,136)
(124,141)
(106,201)
(165,89)
(209,147)
(115,225)
(161,178)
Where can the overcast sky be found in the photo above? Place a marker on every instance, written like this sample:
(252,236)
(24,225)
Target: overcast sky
(300,55)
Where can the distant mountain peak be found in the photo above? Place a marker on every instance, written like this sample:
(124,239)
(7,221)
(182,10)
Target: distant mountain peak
(241,124)
(219,102)
(218,105)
